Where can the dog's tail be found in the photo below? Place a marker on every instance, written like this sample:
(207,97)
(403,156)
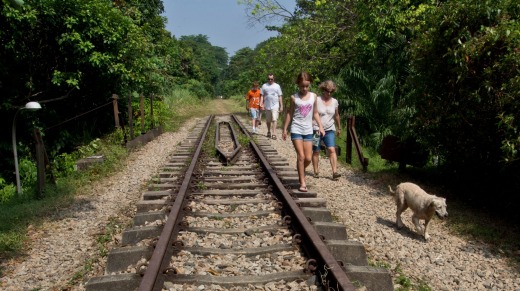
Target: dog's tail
(391,191)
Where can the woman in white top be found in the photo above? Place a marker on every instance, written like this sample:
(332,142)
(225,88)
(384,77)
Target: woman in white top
(329,116)
(300,114)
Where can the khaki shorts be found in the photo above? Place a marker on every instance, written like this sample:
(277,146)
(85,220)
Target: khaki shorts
(271,115)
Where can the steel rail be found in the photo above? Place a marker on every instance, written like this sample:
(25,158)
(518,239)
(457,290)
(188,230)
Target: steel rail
(229,158)
(149,280)
(236,153)
(316,246)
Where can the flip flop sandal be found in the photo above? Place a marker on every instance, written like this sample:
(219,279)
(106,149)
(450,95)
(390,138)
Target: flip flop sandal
(302,189)
(273,137)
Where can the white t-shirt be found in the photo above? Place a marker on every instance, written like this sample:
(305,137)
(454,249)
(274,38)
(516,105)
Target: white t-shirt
(271,93)
(327,113)
(303,113)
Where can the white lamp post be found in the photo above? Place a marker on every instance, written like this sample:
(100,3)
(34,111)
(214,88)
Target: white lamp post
(29,106)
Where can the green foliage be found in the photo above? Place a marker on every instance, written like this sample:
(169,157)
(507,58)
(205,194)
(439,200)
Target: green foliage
(314,38)
(243,140)
(405,283)
(201,186)
(197,88)
(113,227)
(511,144)
(180,105)
(65,163)
(87,267)
(376,164)
(240,73)
(28,178)
(210,61)
(158,107)
(7,191)
(371,101)
(28,172)
(465,83)
(72,56)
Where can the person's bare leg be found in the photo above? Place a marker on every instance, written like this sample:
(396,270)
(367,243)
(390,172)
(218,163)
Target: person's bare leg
(268,120)
(333,159)
(300,161)
(307,151)
(315,162)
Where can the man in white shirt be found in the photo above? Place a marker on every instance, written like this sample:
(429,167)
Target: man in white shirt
(272,103)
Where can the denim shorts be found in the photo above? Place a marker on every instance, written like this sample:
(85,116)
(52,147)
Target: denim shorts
(304,137)
(253,112)
(329,140)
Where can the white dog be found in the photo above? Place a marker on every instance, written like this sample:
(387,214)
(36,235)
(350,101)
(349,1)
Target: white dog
(422,204)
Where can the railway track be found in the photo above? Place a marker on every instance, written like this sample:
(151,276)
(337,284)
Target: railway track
(222,215)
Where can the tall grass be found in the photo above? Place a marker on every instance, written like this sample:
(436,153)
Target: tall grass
(180,106)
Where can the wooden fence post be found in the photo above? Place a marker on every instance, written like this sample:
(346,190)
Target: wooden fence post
(352,138)
(151,111)
(348,153)
(141,108)
(116,110)
(130,117)
(40,165)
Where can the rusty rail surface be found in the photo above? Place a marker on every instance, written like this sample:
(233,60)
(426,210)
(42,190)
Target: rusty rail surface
(149,281)
(229,157)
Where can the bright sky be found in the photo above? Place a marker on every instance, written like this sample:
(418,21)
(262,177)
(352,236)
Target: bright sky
(223,21)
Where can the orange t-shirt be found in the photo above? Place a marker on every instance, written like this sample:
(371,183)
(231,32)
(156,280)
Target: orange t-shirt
(253,96)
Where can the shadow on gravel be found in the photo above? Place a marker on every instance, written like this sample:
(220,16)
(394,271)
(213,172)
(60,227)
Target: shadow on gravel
(81,206)
(405,231)
(358,179)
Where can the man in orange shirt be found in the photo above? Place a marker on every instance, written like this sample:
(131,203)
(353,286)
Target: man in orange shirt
(253,101)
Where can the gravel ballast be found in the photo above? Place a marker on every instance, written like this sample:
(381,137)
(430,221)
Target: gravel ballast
(63,245)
